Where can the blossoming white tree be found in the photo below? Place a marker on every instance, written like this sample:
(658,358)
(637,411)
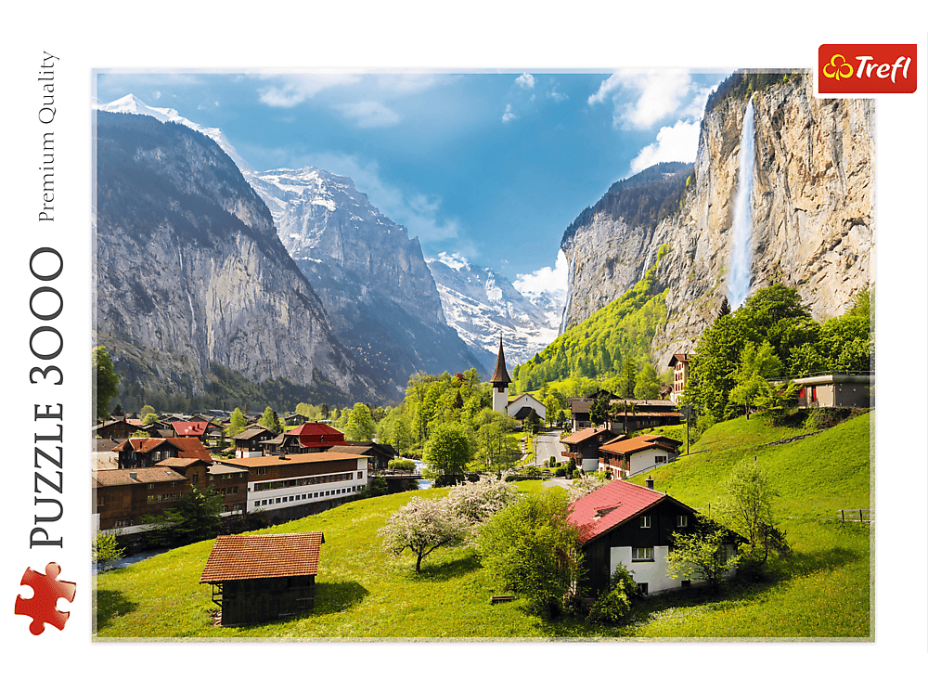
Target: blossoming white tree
(475,502)
(422,525)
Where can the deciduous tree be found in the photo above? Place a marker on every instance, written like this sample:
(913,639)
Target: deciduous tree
(361,425)
(422,526)
(533,549)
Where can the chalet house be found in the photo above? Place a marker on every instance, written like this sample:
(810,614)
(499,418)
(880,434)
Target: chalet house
(378,454)
(580,409)
(301,484)
(262,578)
(191,430)
(311,437)
(123,497)
(248,443)
(584,445)
(622,523)
(836,390)
(147,452)
(228,480)
(646,414)
(521,406)
(624,457)
(295,419)
(115,430)
(680,363)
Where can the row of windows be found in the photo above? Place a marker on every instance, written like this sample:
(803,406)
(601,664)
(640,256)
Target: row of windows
(306,496)
(167,497)
(682,521)
(305,481)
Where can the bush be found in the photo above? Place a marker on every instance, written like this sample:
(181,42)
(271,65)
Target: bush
(402,464)
(613,605)
(560,471)
(376,486)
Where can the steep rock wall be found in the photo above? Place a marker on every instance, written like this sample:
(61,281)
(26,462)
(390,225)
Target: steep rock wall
(812,205)
(190,272)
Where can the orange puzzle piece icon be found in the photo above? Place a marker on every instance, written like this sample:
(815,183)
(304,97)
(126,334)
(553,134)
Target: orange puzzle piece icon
(42,605)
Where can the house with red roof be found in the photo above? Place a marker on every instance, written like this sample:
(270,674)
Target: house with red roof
(262,578)
(135,453)
(623,523)
(584,445)
(311,437)
(190,429)
(623,457)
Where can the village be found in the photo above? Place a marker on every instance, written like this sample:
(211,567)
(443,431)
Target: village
(267,477)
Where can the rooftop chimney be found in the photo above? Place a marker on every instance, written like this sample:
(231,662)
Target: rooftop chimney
(650,482)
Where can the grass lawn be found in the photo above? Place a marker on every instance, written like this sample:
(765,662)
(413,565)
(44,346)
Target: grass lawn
(821,590)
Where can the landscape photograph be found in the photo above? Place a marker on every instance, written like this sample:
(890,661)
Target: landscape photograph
(499,355)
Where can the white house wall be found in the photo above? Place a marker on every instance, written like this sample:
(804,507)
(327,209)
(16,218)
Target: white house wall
(654,574)
(645,459)
(526,401)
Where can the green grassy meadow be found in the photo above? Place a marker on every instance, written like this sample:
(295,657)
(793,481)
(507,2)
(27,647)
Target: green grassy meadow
(823,590)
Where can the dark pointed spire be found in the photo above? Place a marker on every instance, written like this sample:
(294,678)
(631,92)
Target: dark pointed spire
(500,376)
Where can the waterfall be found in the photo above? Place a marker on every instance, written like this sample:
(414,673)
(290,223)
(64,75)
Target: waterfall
(739,275)
(570,285)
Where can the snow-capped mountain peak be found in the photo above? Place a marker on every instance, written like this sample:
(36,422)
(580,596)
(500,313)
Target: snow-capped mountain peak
(481,304)
(129,104)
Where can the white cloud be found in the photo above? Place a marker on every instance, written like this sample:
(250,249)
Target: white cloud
(552,281)
(557,97)
(508,115)
(296,89)
(453,260)
(677,143)
(369,114)
(641,99)
(526,81)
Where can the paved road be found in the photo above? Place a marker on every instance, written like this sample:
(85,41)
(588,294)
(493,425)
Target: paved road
(546,445)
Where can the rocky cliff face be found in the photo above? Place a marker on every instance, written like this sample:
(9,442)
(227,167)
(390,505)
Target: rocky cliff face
(190,272)
(812,206)
(371,277)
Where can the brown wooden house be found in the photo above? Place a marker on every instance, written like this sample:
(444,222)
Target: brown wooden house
(123,497)
(147,452)
(264,577)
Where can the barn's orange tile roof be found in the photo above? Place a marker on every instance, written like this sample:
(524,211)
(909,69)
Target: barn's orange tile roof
(263,556)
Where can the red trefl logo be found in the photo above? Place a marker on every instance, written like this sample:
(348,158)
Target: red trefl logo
(867,68)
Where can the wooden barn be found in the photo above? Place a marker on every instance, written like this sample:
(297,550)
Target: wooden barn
(262,578)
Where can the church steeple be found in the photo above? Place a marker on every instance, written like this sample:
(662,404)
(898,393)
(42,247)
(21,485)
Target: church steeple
(500,381)
(500,376)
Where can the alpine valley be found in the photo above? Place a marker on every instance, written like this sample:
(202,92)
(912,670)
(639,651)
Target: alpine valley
(212,275)
(374,294)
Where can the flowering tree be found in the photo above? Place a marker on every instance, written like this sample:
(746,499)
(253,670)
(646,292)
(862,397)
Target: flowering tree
(476,502)
(586,484)
(422,525)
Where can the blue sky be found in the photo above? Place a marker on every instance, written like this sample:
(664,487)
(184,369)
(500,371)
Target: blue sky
(492,166)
